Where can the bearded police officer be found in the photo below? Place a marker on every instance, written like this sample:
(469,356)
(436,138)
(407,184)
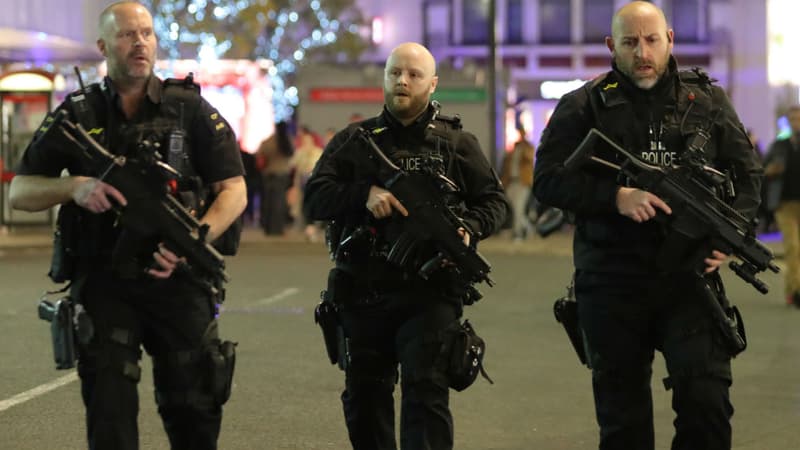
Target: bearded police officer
(635,292)
(140,298)
(389,314)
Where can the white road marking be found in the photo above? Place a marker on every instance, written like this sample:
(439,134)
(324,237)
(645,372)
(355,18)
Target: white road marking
(38,391)
(288,292)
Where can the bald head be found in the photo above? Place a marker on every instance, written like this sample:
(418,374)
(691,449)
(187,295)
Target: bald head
(415,51)
(640,43)
(106,24)
(127,41)
(635,11)
(409,80)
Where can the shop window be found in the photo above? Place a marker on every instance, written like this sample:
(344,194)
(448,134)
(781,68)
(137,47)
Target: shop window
(688,19)
(475,19)
(554,21)
(597,16)
(514,15)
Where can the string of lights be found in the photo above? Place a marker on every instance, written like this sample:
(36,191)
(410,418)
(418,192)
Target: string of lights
(289,33)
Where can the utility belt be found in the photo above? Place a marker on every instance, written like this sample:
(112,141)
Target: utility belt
(344,291)
(375,278)
(725,317)
(462,349)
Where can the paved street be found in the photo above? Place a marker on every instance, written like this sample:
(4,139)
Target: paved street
(286,395)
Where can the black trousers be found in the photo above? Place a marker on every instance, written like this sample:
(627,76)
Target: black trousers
(167,318)
(625,318)
(412,329)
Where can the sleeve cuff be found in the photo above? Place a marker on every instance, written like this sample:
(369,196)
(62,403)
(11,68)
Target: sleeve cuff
(605,195)
(475,226)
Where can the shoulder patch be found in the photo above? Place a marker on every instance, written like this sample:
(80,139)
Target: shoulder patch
(185,83)
(596,81)
(696,76)
(48,120)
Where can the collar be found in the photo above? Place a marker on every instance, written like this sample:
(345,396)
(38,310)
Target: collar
(152,91)
(419,124)
(661,87)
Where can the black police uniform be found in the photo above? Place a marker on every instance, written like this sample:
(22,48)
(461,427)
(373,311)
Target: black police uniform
(173,319)
(390,315)
(636,290)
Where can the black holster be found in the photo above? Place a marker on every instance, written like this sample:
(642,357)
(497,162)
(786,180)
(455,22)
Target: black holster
(222,355)
(326,315)
(727,317)
(566,312)
(70,325)
(221,360)
(60,316)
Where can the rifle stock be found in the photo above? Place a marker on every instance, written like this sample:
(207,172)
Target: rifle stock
(151,210)
(431,219)
(697,211)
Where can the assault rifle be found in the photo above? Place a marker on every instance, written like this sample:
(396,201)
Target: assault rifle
(697,210)
(430,219)
(152,211)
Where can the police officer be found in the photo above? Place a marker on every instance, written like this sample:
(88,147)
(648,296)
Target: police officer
(154,306)
(635,291)
(389,314)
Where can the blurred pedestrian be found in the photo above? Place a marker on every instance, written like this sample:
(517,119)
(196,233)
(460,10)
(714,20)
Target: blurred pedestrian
(274,155)
(517,178)
(305,158)
(252,178)
(782,171)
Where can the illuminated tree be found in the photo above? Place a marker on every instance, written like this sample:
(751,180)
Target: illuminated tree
(287,32)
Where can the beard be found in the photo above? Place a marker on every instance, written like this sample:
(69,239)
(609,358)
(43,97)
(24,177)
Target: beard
(406,107)
(644,82)
(136,70)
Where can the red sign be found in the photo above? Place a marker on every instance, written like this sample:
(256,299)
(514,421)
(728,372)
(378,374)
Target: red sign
(346,95)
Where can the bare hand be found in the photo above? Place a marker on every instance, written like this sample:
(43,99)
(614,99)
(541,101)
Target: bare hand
(638,205)
(715,261)
(381,203)
(166,261)
(466,236)
(96,196)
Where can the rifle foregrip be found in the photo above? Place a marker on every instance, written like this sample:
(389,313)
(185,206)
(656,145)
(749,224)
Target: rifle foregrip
(747,273)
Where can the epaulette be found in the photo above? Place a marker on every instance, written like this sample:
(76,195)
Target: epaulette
(696,76)
(373,125)
(453,121)
(84,102)
(593,83)
(186,83)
